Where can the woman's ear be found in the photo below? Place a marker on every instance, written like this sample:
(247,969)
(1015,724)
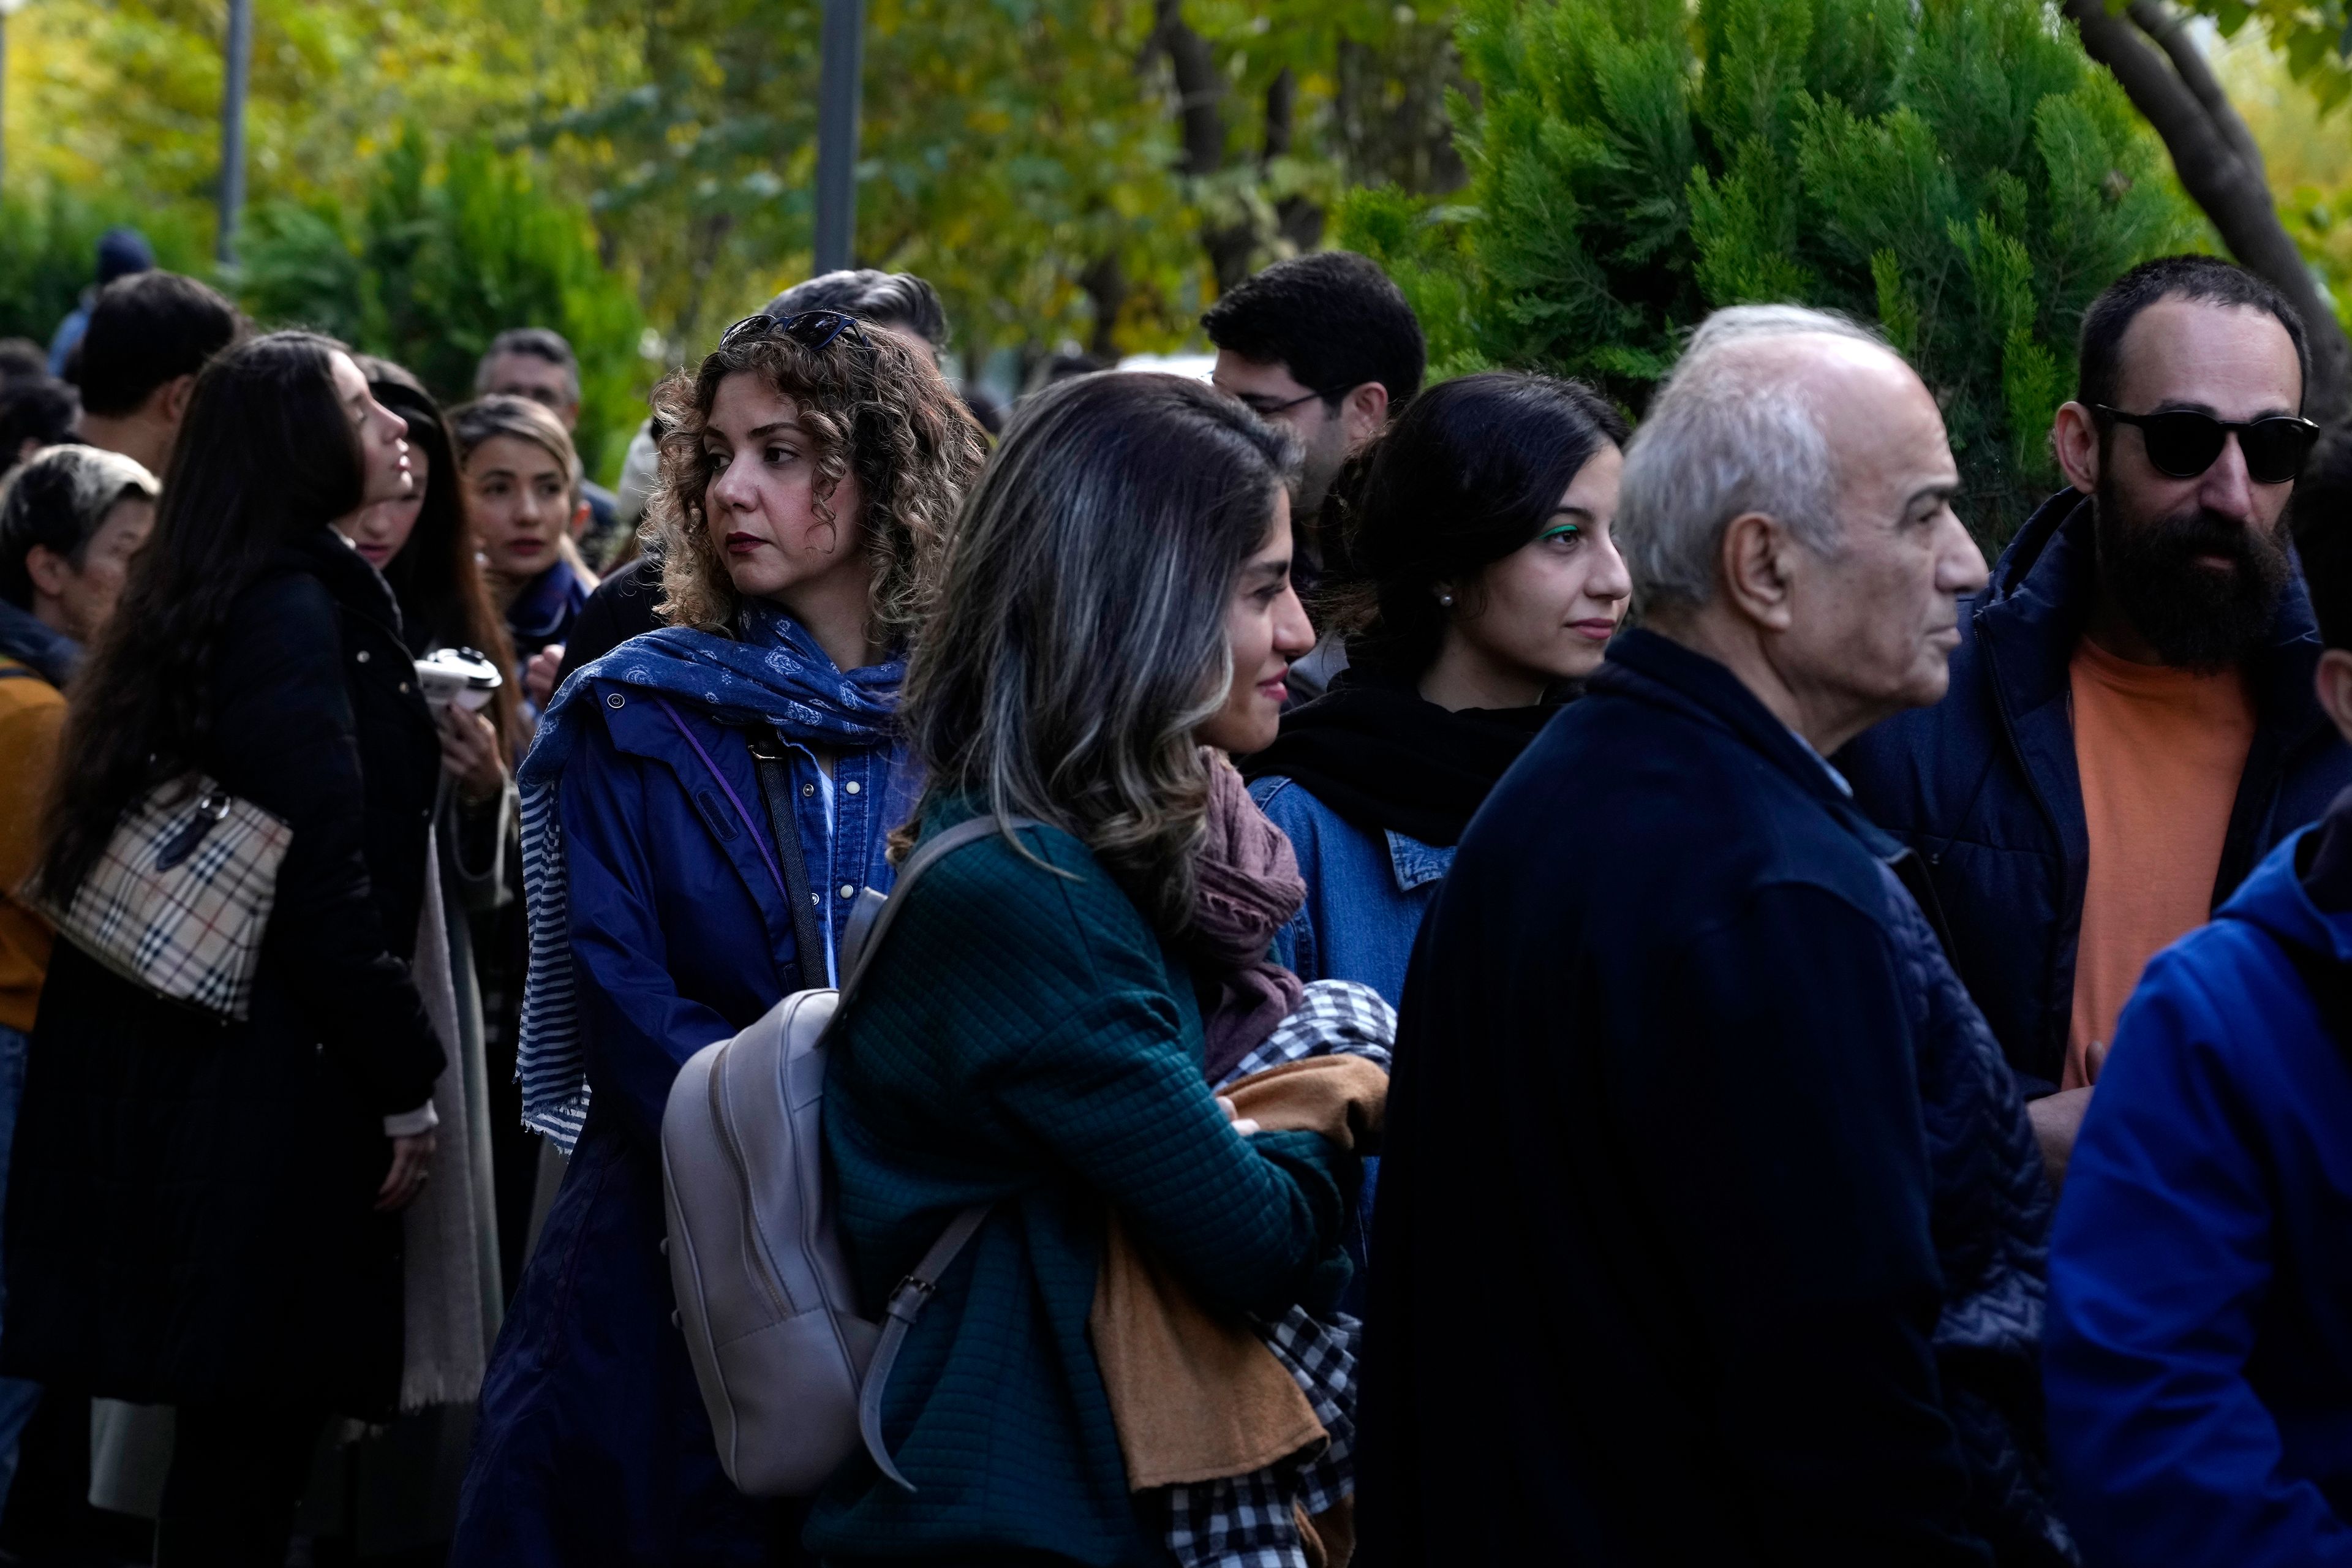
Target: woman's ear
(2333,684)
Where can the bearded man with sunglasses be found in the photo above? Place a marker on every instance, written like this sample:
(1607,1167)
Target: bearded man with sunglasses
(2131,723)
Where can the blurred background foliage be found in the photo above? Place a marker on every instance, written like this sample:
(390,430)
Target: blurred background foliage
(2307,150)
(1558,182)
(1954,170)
(1070,173)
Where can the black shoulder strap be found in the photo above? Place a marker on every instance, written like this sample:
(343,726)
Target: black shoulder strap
(776,791)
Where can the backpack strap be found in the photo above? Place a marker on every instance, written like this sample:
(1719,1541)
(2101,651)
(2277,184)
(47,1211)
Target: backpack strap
(907,1299)
(776,792)
(912,1294)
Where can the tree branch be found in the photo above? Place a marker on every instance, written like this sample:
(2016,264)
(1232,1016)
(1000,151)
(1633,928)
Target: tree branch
(2162,22)
(2205,148)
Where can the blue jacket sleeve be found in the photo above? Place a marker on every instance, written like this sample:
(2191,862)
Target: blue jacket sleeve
(2160,1259)
(639,1031)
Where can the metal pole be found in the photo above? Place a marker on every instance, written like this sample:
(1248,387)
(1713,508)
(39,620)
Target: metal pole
(238,69)
(837,134)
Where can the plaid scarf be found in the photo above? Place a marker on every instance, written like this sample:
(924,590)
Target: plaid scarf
(773,673)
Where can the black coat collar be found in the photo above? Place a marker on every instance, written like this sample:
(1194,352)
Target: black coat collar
(344,573)
(1645,665)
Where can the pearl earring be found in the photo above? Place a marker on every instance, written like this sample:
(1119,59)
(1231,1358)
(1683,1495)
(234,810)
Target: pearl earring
(1447,600)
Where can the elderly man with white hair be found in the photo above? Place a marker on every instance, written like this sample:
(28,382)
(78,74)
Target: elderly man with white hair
(1711,1225)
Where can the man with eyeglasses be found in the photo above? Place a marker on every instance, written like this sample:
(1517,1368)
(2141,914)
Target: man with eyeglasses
(2131,725)
(1327,346)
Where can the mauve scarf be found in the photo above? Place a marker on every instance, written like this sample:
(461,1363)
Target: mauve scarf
(1248,887)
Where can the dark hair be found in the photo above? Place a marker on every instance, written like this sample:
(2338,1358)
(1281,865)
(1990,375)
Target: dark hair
(539,342)
(2321,518)
(1472,472)
(436,576)
(44,411)
(58,499)
(123,251)
(266,456)
(145,329)
(2206,279)
(1078,639)
(21,360)
(885,298)
(1333,319)
(872,405)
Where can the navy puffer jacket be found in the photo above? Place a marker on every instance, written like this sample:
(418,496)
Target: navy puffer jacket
(1984,786)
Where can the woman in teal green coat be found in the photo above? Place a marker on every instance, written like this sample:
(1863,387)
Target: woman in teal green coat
(1117,600)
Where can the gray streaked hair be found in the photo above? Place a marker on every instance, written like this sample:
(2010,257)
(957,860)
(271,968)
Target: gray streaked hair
(1079,640)
(537,342)
(1728,432)
(58,499)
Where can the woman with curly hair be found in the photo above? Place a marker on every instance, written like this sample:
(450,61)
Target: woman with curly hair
(810,471)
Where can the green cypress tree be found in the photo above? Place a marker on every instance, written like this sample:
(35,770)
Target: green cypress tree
(1955,170)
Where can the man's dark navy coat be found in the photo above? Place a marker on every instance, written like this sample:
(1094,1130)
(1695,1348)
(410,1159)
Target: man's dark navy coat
(1984,786)
(1710,1222)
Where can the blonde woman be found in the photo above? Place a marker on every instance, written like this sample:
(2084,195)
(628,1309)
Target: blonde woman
(810,472)
(523,497)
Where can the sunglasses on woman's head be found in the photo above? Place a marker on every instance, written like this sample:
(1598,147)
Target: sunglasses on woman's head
(812,329)
(2182,443)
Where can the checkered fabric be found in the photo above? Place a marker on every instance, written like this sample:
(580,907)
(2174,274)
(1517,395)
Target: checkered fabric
(1252,1520)
(1333,1018)
(189,931)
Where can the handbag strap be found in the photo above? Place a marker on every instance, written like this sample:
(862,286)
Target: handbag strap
(912,1294)
(776,791)
(732,798)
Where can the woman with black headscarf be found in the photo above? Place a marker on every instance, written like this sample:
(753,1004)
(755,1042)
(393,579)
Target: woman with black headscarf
(1481,585)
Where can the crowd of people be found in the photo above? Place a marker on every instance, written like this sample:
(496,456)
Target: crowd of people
(1495,984)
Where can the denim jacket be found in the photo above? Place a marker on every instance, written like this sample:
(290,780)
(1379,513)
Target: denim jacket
(1365,896)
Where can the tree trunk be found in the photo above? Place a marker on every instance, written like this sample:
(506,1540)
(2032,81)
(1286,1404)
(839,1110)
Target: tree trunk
(2219,166)
(1296,218)
(1105,286)
(1200,113)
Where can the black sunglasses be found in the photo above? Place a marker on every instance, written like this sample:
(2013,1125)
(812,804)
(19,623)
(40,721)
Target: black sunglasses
(812,329)
(2182,443)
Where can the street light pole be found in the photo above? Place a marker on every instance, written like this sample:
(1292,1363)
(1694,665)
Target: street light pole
(237,68)
(843,51)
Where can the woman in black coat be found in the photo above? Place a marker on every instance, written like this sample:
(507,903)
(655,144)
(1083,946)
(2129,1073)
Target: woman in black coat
(203,1214)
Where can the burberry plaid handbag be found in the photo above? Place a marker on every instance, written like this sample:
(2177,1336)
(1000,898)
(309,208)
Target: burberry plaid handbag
(178,902)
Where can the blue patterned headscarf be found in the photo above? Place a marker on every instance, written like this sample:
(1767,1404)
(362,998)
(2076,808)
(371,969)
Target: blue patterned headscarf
(775,673)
